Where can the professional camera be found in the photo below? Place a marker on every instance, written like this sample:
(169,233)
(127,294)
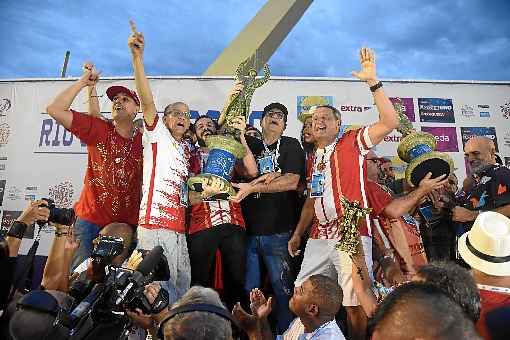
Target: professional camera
(64,216)
(122,289)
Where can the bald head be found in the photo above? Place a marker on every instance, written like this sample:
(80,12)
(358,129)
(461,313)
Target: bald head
(480,151)
(124,231)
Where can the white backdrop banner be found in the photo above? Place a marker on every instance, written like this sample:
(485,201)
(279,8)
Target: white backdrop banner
(39,158)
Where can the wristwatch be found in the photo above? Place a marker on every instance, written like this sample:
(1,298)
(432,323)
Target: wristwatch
(375,87)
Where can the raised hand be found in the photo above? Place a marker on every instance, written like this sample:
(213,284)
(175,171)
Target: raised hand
(240,124)
(33,212)
(136,41)
(93,73)
(260,307)
(368,70)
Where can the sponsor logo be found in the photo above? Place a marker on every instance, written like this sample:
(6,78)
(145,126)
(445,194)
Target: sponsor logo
(31,188)
(13,193)
(2,191)
(304,103)
(436,110)
(484,111)
(469,132)
(5,105)
(467,111)
(505,110)
(506,139)
(10,216)
(5,132)
(392,138)
(354,108)
(408,107)
(446,138)
(29,197)
(62,194)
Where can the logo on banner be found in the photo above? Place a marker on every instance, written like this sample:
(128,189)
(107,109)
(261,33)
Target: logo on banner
(10,216)
(505,110)
(30,197)
(437,110)
(5,131)
(5,105)
(506,139)
(408,107)
(13,193)
(467,111)
(393,138)
(62,194)
(354,108)
(304,103)
(446,138)
(2,191)
(484,111)
(469,132)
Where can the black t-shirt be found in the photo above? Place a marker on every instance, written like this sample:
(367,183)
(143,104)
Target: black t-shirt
(274,213)
(491,188)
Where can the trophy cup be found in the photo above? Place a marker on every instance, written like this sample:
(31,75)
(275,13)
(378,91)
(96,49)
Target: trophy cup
(417,149)
(225,148)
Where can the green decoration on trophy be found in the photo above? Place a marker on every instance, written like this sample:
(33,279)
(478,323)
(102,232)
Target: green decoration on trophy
(418,150)
(353,213)
(225,148)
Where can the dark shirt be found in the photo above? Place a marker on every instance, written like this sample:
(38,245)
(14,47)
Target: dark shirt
(491,188)
(275,213)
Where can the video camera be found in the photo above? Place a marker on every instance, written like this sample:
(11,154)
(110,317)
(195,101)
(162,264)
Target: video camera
(123,289)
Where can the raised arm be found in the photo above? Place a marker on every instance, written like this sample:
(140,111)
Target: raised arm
(93,98)
(388,117)
(248,167)
(59,108)
(136,44)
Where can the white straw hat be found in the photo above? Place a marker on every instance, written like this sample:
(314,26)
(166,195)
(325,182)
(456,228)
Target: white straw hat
(486,247)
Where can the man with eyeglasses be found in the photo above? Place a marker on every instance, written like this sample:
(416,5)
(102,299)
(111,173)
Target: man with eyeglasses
(165,171)
(270,209)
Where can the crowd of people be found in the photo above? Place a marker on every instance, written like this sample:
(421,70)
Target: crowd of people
(432,261)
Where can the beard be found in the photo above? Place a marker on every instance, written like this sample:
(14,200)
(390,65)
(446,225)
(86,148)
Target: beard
(201,140)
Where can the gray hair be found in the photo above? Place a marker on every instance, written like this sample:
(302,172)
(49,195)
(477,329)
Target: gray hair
(198,325)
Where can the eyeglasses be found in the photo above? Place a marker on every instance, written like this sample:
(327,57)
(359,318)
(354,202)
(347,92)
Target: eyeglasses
(177,113)
(276,114)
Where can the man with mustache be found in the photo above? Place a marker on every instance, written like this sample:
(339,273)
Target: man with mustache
(165,171)
(111,188)
(271,208)
(218,224)
(490,188)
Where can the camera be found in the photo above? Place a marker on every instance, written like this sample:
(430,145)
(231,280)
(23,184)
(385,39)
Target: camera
(64,216)
(107,249)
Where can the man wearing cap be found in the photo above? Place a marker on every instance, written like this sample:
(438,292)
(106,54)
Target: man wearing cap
(165,171)
(270,209)
(111,188)
(339,170)
(486,248)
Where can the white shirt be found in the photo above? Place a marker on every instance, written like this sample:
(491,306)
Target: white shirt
(328,331)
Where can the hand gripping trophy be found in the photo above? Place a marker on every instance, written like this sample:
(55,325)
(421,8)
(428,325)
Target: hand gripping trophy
(417,149)
(225,147)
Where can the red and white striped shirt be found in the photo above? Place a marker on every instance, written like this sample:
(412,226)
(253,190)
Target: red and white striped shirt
(344,175)
(212,213)
(165,171)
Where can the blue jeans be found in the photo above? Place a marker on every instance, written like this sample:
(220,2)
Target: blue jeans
(86,232)
(273,251)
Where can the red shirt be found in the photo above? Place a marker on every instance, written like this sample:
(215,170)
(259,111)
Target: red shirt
(209,214)
(491,300)
(410,255)
(112,184)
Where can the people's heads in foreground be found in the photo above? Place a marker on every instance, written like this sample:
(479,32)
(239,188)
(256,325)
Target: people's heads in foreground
(274,119)
(479,152)
(204,126)
(419,310)
(176,117)
(253,132)
(326,121)
(125,103)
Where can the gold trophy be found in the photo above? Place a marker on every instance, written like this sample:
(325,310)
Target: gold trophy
(417,149)
(225,147)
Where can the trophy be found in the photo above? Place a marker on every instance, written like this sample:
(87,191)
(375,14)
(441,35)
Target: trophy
(225,148)
(417,149)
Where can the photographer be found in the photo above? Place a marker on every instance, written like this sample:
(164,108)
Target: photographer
(32,213)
